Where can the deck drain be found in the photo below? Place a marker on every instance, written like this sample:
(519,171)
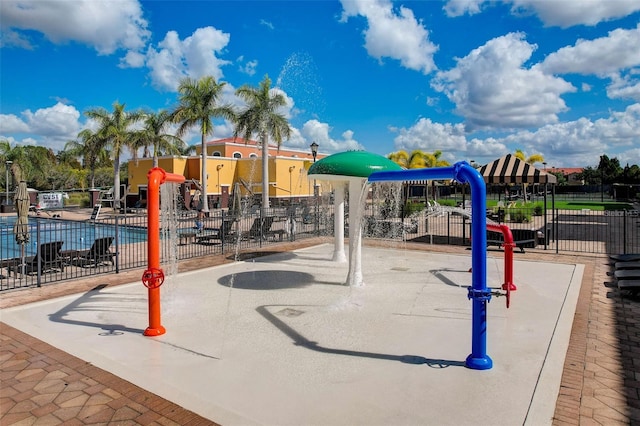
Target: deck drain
(288,312)
(397,268)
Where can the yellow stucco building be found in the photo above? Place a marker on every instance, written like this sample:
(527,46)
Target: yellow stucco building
(230,162)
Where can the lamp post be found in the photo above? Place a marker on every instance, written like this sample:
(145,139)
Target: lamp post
(7,165)
(291,169)
(314,153)
(218,167)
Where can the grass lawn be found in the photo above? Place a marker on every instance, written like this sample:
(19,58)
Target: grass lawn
(573,205)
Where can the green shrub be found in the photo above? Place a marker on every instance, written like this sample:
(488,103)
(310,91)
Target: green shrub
(448,203)
(78,199)
(537,210)
(411,208)
(518,215)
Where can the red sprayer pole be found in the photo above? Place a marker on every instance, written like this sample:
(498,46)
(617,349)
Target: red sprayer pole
(508,254)
(153,277)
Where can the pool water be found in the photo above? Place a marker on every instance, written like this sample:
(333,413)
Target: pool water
(75,235)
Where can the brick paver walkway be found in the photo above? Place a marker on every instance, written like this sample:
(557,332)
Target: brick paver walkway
(43,385)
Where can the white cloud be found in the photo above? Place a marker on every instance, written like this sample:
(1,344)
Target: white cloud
(428,136)
(485,150)
(51,127)
(571,144)
(267,24)
(584,12)
(195,56)
(249,67)
(575,142)
(132,60)
(102,24)
(624,87)
(554,13)
(455,8)
(631,156)
(59,120)
(10,38)
(10,123)
(616,57)
(620,49)
(492,88)
(314,130)
(393,35)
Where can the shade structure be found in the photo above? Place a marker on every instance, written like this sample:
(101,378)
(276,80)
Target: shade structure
(21,228)
(510,169)
(235,209)
(350,164)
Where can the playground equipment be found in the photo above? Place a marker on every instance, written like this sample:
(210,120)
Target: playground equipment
(478,292)
(508,245)
(153,277)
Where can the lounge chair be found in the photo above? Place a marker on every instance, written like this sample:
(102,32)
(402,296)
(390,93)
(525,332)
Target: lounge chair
(627,274)
(625,257)
(627,265)
(260,228)
(224,233)
(98,254)
(523,238)
(48,256)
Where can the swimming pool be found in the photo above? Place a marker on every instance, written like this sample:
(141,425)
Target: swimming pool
(75,235)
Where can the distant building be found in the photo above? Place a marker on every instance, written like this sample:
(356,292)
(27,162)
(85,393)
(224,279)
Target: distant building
(238,148)
(571,174)
(232,161)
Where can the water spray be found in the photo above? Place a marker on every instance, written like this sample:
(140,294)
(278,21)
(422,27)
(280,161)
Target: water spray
(153,277)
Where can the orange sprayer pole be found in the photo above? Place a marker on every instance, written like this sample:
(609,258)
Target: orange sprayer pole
(153,277)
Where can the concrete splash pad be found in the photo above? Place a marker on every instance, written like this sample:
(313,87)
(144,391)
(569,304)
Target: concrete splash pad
(290,345)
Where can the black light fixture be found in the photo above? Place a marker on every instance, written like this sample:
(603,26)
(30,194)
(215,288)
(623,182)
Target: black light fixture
(314,150)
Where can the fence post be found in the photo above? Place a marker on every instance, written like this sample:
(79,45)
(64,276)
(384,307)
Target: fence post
(624,231)
(222,232)
(117,241)
(38,242)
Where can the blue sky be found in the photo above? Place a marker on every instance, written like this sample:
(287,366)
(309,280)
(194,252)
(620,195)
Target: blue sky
(475,79)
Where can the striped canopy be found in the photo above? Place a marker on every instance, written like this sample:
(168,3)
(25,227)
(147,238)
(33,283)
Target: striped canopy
(510,169)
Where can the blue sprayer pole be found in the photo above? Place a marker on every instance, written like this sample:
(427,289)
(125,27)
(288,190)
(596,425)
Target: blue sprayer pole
(478,291)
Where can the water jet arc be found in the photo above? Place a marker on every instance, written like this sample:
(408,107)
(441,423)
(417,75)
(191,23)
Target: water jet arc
(478,292)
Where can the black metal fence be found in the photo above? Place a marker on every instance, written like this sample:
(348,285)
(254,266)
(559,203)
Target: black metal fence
(62,249)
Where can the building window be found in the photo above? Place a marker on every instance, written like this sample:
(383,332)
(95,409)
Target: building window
(237,155)
(253,155)
(217,154)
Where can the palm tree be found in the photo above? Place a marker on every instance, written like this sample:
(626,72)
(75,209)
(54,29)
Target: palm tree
(154,134)
(260,116)
(115,130)
(532,159)
(417,159)
(198,103)
(91,148)
(188,150)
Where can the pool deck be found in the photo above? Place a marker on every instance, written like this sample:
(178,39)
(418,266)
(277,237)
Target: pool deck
(599,383)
